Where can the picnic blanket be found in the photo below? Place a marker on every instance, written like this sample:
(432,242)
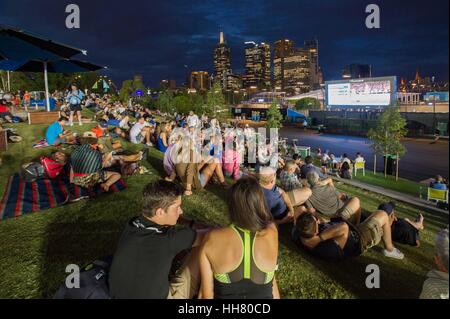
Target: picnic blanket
(22,197)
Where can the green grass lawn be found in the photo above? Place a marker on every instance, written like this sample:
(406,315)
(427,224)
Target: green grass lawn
(402,185)
(36,248)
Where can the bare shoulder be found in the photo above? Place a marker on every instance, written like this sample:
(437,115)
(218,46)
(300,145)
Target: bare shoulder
(218,234)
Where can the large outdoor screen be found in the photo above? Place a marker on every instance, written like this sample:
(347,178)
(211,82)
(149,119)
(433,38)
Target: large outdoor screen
(361,92)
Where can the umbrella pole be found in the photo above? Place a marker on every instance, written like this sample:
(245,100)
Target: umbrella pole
(9,81)
(47,99)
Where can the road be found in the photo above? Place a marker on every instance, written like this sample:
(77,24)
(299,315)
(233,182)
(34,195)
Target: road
(421,161)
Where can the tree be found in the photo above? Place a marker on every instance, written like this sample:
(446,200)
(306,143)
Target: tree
(274,116)
(198,102)
(215,101)
(129,88)
(386,137)
(165,101)
(307,103)
(182,103)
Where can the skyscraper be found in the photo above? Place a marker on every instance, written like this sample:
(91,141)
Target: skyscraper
(222,61)
(297,72)
(291,68)
(282,49)
(314,68)
(257,65)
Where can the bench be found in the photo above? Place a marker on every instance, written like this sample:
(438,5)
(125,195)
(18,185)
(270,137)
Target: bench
(3,140)
(43,117)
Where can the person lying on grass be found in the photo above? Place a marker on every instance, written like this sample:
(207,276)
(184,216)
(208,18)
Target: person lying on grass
(328,201)
(284,206)
(149,243)
(337,240)
(239,261)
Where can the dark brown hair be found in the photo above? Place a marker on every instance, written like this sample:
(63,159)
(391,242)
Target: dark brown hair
(247,205)
(160,194)
(306,225)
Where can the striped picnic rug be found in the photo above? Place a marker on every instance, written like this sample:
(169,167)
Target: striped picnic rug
(21,198)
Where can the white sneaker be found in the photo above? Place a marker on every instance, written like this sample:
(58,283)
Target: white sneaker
(80,124)
(395,253)
(71,124)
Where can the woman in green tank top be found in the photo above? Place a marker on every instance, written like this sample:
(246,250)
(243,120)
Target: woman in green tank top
(239,261)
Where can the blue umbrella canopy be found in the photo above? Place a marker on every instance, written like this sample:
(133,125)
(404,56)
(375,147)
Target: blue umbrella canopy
(19,45)
(23,51)
(59,66)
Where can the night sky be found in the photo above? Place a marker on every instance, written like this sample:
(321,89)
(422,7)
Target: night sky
(168,39)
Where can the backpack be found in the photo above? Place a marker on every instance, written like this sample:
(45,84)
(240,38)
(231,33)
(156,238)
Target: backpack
(93,283)
(32,171)
(52,168)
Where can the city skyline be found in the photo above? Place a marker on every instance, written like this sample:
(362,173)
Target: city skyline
(170,40)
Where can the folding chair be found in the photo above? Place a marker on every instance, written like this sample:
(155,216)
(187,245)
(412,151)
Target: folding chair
(360,165)
(439,195)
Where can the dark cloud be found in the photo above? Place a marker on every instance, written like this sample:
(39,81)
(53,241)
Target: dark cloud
(166,39)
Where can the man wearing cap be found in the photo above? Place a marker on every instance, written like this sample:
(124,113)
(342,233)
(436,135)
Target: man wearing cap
(140,132)
(280,203)
(339,239)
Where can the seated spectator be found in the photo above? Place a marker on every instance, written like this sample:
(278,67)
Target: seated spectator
(438,183)
(319,153)
(346,171)
(288,178)
(297,158)
(231,161)
(325,160)
(338,240)
(4,111)
(309,166)
(328,201)
(148,246)
(345,159)
(140,133)
(163,138)
(191,173)
(56,134)
(251,240)
(359,157)
(333,163)
(283,205)
(87,168)
(436,286)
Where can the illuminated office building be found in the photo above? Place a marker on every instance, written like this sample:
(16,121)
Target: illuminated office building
(257,65)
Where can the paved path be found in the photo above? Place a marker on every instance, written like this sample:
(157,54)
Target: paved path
(414,201)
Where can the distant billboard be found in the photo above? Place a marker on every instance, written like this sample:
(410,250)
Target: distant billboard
(375,92)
